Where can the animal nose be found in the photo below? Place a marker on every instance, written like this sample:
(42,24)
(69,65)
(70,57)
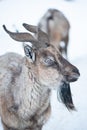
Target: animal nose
(73,75)
(75,70)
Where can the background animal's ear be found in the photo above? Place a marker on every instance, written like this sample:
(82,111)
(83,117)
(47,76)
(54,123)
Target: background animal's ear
(29,52)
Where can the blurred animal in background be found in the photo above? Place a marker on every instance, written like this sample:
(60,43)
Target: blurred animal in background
(26,82)
(57,26)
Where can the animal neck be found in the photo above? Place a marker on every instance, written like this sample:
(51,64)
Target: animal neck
(36,94)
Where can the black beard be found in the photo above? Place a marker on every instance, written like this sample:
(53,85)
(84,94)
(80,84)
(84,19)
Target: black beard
(65,95)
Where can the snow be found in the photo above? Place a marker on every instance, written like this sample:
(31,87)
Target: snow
(15,12)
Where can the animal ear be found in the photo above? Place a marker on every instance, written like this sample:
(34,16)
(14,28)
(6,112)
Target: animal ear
(41,36)
(29,52)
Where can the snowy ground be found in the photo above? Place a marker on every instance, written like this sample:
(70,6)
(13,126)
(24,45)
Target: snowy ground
(14,12)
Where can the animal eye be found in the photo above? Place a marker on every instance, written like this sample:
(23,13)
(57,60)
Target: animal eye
(49,61)
(50,18)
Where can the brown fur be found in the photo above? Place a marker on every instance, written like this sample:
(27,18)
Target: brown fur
(25,86)
(56,25)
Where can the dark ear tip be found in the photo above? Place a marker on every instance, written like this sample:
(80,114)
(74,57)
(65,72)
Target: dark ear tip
(24,24)
(5,28)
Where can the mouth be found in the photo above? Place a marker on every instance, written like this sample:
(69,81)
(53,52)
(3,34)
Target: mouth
(64,93)
(72,78)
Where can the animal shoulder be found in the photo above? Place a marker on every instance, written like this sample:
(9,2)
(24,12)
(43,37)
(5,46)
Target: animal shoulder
(10,60)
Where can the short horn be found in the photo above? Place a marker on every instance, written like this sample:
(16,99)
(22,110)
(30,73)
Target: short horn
(22,37)
(43,37)
(30,28)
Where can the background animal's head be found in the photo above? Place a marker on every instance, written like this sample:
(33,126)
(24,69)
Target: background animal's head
(51,68)
(57,26)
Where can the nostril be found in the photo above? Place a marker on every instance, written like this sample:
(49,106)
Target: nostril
(75,70)
(73,76)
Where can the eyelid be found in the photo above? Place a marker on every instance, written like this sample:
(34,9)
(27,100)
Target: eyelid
(51,58)
(49,61)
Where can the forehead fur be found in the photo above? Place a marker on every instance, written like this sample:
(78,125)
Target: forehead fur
(50,50)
